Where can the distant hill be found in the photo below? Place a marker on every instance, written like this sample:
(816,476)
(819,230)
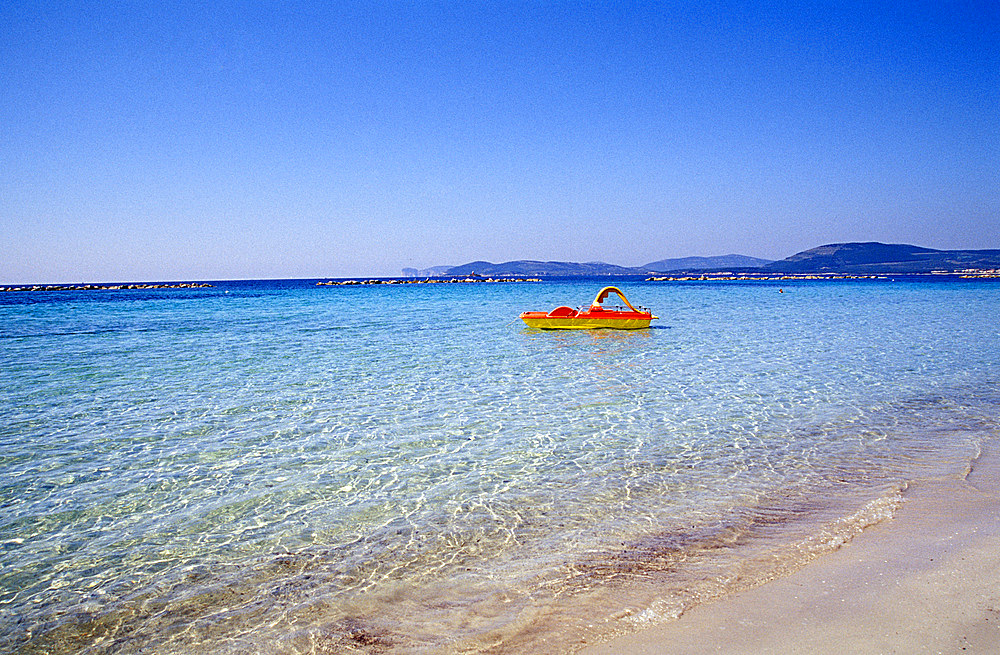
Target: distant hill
(860,258)
(433,271)
(719,263)
(874,257)
(543,269)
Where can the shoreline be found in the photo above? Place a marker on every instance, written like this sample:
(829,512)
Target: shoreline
(925,581)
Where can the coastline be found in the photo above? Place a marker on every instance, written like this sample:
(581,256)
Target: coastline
(925,581)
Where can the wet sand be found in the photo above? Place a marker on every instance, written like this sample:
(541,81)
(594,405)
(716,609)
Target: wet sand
(925,581)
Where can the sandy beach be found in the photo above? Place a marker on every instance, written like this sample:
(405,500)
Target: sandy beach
(925,581)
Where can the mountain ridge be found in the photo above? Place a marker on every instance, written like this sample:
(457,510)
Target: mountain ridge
(539,268)
(706,263)
(850,257)
(876,257)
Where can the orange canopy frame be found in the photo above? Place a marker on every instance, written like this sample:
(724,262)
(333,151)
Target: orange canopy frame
(607,291)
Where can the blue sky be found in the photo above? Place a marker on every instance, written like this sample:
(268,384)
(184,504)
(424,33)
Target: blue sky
(296,139)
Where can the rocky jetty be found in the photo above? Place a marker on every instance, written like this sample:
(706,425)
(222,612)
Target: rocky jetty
(471,279)
(105,287)
(760,277)
(716,277)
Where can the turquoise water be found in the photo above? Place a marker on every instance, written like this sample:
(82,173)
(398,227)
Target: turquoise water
(279,467)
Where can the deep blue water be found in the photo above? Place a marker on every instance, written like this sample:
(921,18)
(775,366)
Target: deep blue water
(283,467)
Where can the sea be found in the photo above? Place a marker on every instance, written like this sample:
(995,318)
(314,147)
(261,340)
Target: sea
(272,467)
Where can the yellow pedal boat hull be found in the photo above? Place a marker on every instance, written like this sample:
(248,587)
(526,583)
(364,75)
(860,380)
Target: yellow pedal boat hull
(543,321)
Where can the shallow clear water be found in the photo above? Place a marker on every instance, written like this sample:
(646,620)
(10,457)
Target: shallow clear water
(270,467)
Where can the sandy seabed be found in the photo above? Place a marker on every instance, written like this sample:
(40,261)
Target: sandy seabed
(925,581)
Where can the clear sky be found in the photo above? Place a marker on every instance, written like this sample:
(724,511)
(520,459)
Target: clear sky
(222,140)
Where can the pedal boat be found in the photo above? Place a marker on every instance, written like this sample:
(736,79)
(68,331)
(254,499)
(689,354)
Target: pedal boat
(594,317)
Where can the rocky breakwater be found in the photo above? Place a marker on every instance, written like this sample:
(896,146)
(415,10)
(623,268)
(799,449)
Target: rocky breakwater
(455,280)
(106,287)
(729,277)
